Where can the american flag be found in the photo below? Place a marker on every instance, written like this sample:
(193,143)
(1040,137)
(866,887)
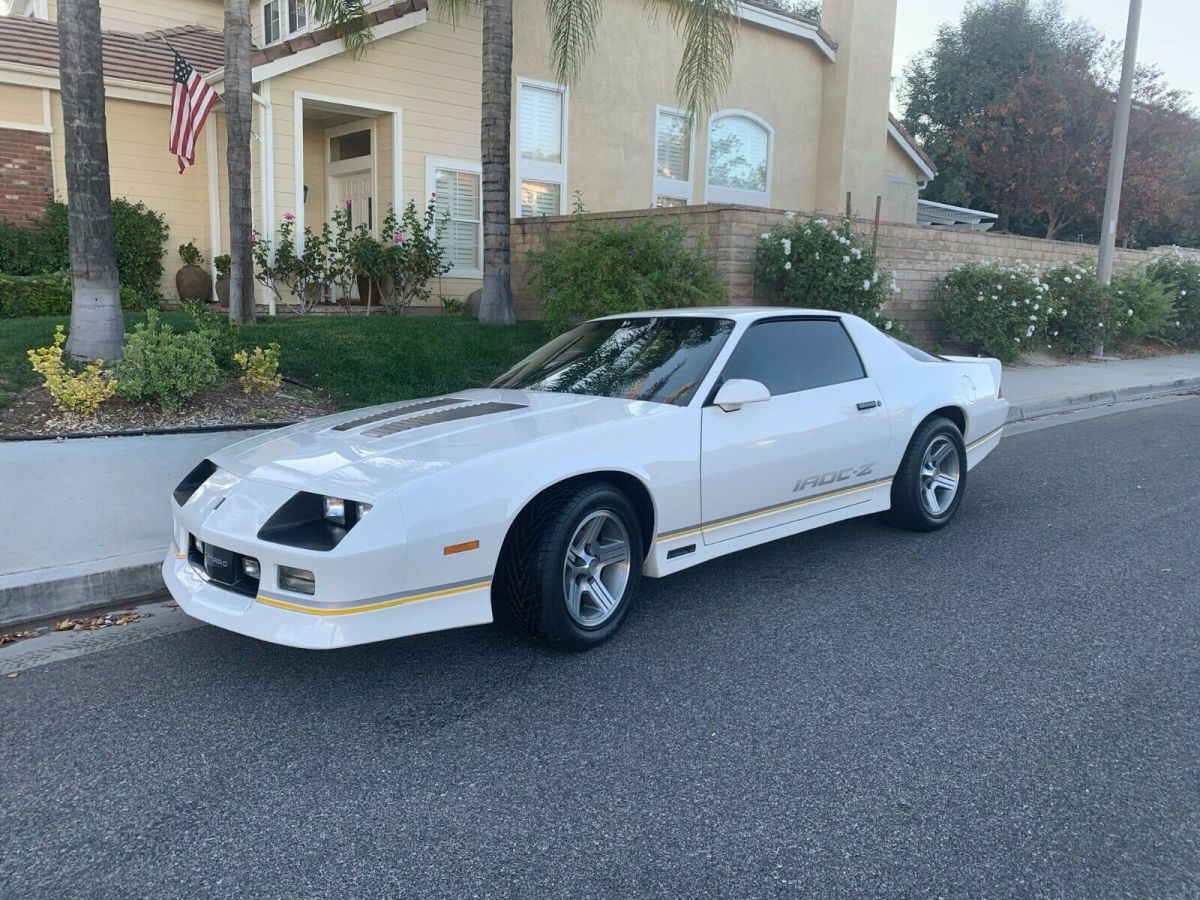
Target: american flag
(191,101)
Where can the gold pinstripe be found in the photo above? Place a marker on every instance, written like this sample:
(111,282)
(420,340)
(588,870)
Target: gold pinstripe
(771,510)
(369,607)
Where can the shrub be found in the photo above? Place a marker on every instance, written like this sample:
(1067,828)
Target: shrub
(1084,313)
(260,369)
(159,364)
(220,332)
(222,264)
(190,254)
(42,248)
(46,295)
(1181,277)
(1149,311)
(996,310)
(598,269)
(78,392)
(412,253)
(822,265)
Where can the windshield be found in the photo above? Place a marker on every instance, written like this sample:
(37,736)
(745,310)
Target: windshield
(662,360)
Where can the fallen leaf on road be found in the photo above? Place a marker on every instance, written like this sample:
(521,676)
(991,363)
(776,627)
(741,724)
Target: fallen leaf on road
(12,674)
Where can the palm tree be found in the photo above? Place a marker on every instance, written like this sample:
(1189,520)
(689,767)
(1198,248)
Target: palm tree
(238,118)
(709,31)
(96,324)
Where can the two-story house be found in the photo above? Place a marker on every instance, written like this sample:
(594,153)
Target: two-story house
(805,119)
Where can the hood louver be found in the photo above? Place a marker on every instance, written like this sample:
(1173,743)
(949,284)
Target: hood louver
(437,418)
(402,409)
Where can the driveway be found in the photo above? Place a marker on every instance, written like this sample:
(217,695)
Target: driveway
(1007,708)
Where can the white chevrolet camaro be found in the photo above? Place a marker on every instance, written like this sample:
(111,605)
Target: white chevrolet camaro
(635,445)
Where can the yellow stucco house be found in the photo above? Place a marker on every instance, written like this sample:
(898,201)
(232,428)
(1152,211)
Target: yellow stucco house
(804,122)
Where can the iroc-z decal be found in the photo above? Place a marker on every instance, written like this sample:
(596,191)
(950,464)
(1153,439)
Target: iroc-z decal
(846,474)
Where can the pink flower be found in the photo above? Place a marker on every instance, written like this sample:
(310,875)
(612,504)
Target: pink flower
(399,239)
(253,237)
(433,194)
(349,203)
(289,217)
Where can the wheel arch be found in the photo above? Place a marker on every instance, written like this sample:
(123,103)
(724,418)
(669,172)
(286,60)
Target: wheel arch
(955,414)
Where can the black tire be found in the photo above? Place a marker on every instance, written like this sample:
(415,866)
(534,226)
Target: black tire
(529,589)
(909,510)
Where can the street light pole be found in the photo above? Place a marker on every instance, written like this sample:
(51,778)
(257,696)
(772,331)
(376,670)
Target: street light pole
(1116,159)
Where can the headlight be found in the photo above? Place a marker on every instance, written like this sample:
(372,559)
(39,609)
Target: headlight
(312,521)
(344,512)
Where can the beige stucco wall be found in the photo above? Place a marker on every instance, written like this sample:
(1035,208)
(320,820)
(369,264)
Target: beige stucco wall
(139,15)
(900,188)
(611,111)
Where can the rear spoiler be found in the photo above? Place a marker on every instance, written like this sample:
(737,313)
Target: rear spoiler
(992,363)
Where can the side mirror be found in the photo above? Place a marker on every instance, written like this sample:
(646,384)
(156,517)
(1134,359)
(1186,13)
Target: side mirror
(737,392)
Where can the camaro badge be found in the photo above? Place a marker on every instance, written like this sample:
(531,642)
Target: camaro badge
(813,481)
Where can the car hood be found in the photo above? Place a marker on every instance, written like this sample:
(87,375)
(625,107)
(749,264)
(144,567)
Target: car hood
(366,453)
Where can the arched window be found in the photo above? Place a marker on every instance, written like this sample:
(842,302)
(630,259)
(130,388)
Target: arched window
(739,159)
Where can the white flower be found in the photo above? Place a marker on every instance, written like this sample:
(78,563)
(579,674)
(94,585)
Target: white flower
(816,256)
(994,296)
(1066,279)
(1014,303)
(787,246)
(1056,334)
(887,325)
(856,253)
(789,215)
(1029,331)
(787,265)
(867,285)
(1018,340)
(1035,307)
(765,236)
(1183,293)
(1049,310)
(845,259)
(1129,312)
(1033,318)
(1099,324)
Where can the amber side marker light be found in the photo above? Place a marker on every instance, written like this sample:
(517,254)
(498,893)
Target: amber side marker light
(460,548)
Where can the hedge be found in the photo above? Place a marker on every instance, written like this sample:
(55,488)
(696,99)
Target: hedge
(42,248)
(46,295)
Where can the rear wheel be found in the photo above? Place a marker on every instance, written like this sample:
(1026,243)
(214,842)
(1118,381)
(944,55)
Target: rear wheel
(929,484)
(571,566)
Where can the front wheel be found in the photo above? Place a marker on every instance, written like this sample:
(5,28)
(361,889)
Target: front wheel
(571,566)
(930,482)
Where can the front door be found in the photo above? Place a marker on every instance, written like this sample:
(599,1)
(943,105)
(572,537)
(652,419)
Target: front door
(350,170)
(814,447)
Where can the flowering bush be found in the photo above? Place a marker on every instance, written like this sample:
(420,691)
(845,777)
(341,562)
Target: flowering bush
(305,275)
(1181,278)
(1149,313)
(996,310)
(823,265)
(260,369)
(597,269)
(78,392)
(1084,312)
(412,253)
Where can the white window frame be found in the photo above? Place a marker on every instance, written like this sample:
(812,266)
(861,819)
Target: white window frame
(432,164)
(716,194)
(673,187)
(535,170)
(284,33)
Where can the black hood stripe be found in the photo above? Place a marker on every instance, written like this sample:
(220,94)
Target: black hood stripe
(402,409)
(445,415)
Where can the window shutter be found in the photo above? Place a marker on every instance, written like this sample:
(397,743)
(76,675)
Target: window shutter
(738,154)
(672,146)
(540,124)
(458,198)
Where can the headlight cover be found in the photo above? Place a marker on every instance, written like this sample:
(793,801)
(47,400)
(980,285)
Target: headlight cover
(193,479)
(312,521)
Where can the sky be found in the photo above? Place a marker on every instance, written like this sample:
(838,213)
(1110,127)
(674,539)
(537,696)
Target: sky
(1170,34)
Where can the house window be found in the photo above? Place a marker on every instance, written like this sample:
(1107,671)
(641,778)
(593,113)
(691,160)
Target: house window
(739,160)
(283,19)
(541,148)
(673,132)
(457,190)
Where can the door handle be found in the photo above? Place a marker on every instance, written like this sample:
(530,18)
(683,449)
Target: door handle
(868,404)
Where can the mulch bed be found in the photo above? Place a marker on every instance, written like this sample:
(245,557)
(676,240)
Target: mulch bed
(33,414)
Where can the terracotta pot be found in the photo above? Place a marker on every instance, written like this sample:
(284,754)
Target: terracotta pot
(223,290)
(193,283)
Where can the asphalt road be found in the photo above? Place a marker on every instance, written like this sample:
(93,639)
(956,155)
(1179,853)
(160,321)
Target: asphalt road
(1009,708)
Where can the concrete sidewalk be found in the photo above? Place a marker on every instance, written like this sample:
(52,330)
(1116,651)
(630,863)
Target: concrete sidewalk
(86,522)
(1044,390)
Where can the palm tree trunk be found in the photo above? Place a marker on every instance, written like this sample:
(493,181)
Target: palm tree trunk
(496,304)
(96,325)
(238,118)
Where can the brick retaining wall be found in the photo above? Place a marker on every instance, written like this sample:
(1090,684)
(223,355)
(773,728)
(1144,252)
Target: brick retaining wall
(917,255)
(26,176)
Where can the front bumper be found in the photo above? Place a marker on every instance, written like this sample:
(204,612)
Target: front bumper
(297,622)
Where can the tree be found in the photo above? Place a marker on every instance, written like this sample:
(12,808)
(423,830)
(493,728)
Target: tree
(238,119)
(96,324)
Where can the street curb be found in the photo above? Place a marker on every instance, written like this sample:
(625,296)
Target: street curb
(1055,405)
(31,602)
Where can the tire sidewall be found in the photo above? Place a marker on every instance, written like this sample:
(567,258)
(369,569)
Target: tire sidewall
(557,622)
(912,486)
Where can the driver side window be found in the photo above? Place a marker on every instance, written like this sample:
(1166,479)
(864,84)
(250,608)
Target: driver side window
(790,355)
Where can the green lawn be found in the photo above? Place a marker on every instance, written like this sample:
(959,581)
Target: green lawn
(356,361)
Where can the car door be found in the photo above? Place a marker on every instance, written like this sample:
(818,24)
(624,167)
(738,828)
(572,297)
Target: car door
(814,447)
